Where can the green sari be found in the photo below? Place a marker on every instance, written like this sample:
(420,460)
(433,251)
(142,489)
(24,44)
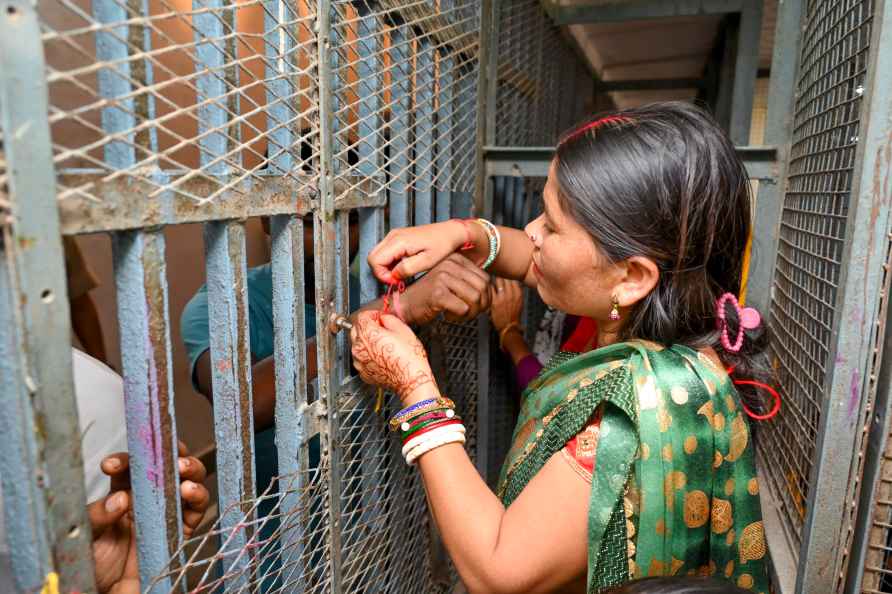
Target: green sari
(674,490)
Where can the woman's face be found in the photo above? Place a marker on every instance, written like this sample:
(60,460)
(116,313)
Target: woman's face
(572,273)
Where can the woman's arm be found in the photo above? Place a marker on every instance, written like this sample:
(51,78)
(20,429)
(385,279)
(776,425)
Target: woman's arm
(539,543)
(409,251)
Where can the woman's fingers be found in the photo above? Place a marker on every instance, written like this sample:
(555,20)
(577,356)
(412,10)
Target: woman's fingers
(391,251)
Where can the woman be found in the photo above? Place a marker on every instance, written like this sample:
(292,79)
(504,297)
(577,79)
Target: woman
(647,213)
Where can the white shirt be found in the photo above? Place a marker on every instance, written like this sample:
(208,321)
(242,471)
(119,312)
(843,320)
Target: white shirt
(99,392)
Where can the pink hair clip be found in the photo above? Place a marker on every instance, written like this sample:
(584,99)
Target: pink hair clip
(748,319)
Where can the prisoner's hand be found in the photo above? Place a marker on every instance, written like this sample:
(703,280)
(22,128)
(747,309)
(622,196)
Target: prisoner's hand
(111,520)
(454,287)
(387,353)
(507,303)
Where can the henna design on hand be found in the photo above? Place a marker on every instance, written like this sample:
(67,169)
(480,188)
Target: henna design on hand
(383,359)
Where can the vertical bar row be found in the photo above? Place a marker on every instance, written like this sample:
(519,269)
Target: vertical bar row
(290,353)
(231,381)
(445,85)
(143,316)
(424,131)
(401,104)
(42,340)
(324,237)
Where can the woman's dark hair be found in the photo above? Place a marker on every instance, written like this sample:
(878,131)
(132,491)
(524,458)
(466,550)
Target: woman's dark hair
(678,585)
(663,181)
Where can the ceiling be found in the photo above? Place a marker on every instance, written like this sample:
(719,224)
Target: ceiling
(666,48)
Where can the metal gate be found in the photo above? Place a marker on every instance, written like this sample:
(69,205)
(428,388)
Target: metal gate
(127,117)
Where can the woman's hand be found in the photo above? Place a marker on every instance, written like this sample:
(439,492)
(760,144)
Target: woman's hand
(405,252)
(507,303)
(111,520)
(388,354)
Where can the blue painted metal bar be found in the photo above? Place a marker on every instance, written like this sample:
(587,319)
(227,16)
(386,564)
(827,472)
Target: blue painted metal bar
(143,316)
(210,86)
(231,380)
(279,44)
(23,504)
(401,102)
(53,492)
(424,132)
(325,260)
(445,126)
(113,83)
(291,377)
(227,298)
(368,148)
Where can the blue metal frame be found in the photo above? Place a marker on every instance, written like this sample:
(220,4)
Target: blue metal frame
(847,399)
(39,385)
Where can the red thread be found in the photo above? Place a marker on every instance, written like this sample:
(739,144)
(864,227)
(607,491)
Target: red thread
(613,119)
(468,244)
(400,287)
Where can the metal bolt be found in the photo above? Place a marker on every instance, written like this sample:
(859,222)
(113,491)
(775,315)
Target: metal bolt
(337,322)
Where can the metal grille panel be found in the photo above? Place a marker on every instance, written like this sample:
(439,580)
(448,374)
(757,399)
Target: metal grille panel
(832,69)
(203,101)
(542,84)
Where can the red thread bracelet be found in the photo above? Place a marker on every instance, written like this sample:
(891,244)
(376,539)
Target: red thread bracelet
(468,244)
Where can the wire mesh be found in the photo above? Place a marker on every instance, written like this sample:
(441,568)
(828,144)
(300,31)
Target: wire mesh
(543,86)
(405,74)
(813,234)
(273,565)
(380,498)
(168,98)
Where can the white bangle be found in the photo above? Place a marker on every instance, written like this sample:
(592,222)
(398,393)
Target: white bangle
(433,444)
(495,241)
(416,441)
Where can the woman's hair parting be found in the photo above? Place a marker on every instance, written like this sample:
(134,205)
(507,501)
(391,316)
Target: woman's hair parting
(663,181)
(678,585)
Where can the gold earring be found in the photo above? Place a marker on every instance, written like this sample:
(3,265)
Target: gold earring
(614,313)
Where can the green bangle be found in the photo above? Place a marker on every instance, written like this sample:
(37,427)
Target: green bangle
(418,427)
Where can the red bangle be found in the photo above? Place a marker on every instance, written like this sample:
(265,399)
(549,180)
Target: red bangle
(431,428)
